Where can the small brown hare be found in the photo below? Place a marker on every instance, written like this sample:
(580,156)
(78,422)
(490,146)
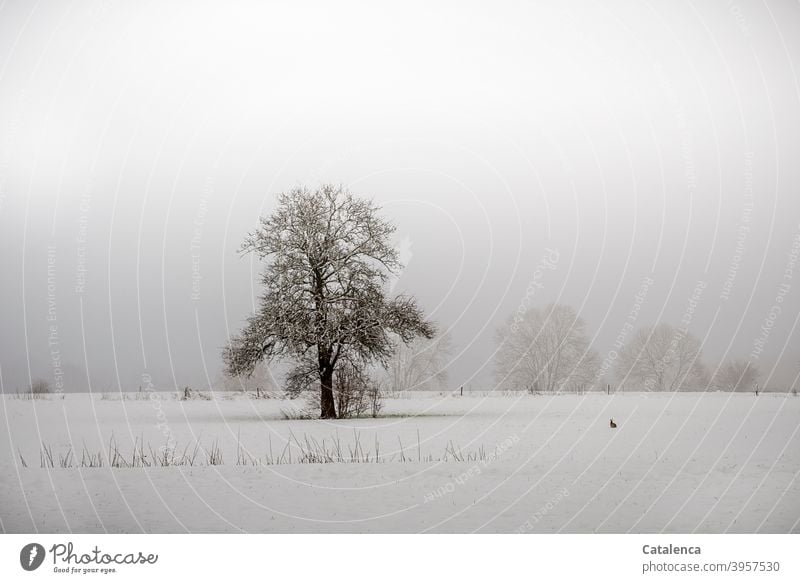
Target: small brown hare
(612,424)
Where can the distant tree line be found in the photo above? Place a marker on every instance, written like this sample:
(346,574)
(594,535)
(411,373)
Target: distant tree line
(548,350)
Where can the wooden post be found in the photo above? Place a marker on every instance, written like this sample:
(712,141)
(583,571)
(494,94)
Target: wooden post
(462,390)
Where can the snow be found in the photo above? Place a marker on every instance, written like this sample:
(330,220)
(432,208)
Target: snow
(685,462)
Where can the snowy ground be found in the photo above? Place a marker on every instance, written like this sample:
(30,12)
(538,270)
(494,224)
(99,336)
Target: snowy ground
(676,463)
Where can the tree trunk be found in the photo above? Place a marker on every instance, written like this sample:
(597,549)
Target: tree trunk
(327,403)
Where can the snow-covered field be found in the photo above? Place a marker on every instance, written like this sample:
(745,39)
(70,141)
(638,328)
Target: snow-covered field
(676,463)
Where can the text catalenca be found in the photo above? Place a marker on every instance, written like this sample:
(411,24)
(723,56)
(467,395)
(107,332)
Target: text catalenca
(670,550)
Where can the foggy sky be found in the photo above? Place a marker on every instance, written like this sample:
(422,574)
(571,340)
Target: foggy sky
(636,142)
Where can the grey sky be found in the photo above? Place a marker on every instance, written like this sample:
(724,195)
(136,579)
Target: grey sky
(139,143)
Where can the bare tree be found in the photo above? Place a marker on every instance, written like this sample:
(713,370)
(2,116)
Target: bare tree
(545,351)
(329,258)
(419,365)
(662,358)
(736,375)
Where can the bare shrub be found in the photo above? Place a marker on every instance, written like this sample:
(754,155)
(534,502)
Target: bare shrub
(39,389)
(375,395)
(356,393)
(190,394)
